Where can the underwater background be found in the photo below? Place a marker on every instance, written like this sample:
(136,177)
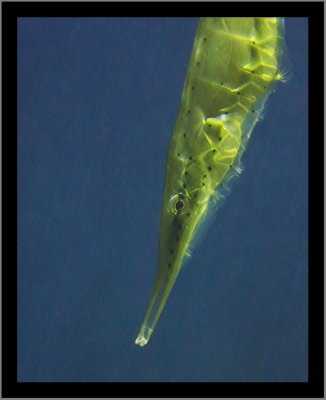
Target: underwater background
(97,103)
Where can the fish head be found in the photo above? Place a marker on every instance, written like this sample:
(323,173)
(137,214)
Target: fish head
(183,210)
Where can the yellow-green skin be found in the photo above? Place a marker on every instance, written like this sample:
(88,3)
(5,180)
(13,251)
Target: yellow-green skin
(233,63)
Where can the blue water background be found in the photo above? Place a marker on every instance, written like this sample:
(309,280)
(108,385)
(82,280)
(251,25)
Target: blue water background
(97,102)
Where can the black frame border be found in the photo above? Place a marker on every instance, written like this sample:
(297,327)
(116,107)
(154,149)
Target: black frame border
(11,11)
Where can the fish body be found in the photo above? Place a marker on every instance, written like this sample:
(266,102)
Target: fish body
(232,68)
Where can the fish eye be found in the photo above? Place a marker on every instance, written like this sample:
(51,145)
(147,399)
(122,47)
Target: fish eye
(178,203)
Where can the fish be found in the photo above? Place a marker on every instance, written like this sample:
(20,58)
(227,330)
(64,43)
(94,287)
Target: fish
(233,67)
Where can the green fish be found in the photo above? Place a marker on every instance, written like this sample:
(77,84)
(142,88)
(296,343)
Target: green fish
(233,66)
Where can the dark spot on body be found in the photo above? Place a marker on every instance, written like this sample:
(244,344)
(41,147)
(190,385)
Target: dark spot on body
(188,111)
(190,157)
(186,173)
(220,138)
(178,154)
(252,71)
(204,176)
(205,39)
(209,168)
(192,87)
(188,215)
(222,83)
(184,135)
(203,183)
(214,150)
(184,186)
(238,93)
(198,63)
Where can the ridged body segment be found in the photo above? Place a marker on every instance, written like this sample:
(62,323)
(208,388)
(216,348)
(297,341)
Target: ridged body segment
(232,65)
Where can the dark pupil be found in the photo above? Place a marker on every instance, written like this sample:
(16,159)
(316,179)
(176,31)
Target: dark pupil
(179,205)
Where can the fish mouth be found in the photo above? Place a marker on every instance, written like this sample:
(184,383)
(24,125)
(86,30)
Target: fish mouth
(162,288)
(144,336)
